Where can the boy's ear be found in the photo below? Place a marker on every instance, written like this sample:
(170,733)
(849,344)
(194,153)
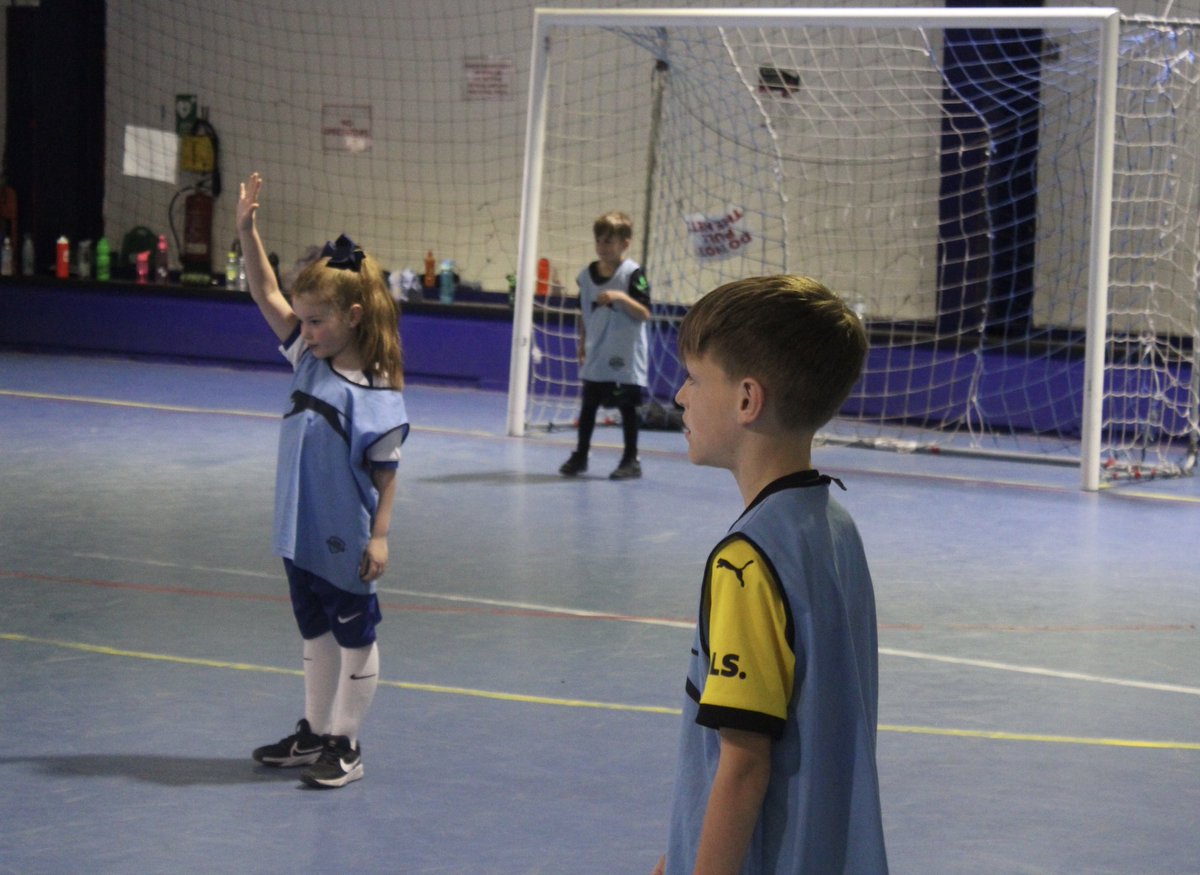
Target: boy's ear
(752,399)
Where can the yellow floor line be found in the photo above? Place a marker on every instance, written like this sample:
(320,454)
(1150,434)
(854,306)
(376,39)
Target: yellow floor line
(103,650)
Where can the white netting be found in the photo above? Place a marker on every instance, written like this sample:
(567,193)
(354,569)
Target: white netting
(938,177)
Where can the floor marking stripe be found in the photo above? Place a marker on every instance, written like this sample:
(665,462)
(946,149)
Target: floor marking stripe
(1042,739)
(1045,672)
(215,411)
(103,650)
(521,698)
(1134,494)
(1152,496)
(551,611)
(160,563)
(493,607)
(138,405)
(543,609)
(557,610)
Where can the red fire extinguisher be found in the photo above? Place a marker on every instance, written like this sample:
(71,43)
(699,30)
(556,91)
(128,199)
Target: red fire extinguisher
(197,232)
(199,153)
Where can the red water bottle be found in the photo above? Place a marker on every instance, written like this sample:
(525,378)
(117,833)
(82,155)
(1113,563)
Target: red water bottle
(543,277)
(162,268)
(62,259)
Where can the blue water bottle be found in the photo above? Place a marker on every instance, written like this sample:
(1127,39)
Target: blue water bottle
(446,282)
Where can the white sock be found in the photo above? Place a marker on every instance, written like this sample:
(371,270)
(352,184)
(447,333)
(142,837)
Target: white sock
(322,666)
(356,689)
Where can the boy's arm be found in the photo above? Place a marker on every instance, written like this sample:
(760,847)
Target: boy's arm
(581,344)
(626,302)
(261,278)
(634,301)
(375,557)
(735,802)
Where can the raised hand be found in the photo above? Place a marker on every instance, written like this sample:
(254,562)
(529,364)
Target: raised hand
(247,204)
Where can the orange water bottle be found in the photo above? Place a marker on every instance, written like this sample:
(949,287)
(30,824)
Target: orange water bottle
(543,277)
(430,278)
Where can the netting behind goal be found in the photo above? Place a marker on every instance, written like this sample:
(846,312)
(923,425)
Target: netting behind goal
(939,174)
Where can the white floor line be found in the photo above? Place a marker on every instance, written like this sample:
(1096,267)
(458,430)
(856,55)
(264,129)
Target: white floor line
(545,609)
(1037,670)
(684,624)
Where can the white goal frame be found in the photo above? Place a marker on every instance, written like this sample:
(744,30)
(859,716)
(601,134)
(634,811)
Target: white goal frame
(1106,21)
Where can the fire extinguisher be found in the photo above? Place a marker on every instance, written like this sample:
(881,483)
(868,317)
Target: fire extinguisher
(196,253)
(200,153)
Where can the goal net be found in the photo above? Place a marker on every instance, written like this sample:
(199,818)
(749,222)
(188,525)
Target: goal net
(951,173)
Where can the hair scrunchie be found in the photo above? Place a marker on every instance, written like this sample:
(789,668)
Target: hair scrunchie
(343,254)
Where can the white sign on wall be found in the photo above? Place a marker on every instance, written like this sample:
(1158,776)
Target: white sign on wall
(717,237)
(346,127)
(151,154)
(488,78)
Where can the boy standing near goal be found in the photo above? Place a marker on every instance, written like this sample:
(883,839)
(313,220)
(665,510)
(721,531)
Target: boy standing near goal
(614,305)
(776,769)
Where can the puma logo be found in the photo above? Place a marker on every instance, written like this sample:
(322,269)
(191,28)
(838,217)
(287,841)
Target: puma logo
(725,563)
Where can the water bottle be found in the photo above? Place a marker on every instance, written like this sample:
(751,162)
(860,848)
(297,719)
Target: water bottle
(162,271)
(27,256)
(62,258)
(6,257)
(446,282)
(142,260)
(430,277)
(103,260)
(232,264)
(83,260)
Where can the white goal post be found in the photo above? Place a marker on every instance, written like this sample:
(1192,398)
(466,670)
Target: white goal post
(889,153)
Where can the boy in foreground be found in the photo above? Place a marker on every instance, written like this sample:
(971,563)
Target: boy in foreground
(776,769)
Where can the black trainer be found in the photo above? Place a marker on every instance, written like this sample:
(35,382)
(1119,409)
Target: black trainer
(577,464)
(630,470)
(301,748)
(338,765)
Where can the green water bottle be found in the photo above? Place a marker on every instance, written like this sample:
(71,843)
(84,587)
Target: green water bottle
(103,260)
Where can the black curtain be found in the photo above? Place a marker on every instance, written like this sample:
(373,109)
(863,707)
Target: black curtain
(54,145)
(988,202)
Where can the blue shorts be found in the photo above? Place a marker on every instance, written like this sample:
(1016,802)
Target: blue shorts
(321,607)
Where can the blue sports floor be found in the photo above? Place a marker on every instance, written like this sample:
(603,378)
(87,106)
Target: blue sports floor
(1040,666)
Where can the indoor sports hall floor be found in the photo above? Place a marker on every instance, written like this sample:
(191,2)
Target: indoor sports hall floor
(1040,664)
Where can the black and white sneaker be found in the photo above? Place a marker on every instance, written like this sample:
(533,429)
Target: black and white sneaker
(301,748)
(338,765)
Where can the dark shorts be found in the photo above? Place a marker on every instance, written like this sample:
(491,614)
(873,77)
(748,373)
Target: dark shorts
(609,394)
(321,607)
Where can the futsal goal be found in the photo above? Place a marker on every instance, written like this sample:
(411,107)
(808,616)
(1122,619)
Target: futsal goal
(1007,196)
